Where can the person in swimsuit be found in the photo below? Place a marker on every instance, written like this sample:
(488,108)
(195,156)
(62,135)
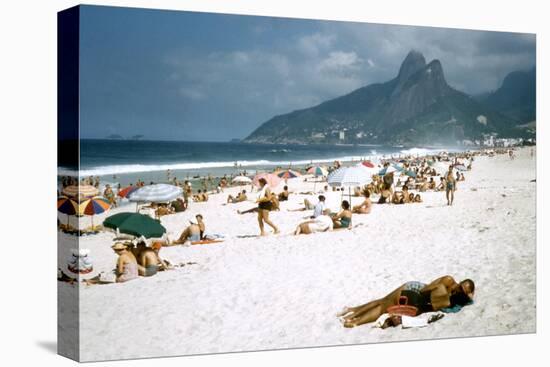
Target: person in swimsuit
(366,206)
(127,266)
(321,223)
(441,293)
(265,205)
(385,195)
(343,219)
(194,232)
(450,186)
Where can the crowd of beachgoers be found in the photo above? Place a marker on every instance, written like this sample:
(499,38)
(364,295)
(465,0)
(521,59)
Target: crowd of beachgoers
(399,180)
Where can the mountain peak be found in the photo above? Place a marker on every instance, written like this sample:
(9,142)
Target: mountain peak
(412,63)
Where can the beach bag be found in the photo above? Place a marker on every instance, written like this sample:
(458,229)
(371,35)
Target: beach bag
(403,308)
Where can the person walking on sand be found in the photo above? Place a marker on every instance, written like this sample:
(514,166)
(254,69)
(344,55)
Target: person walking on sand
(264,206)
(450,186)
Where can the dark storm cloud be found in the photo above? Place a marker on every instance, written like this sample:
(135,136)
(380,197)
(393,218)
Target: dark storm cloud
(193,76)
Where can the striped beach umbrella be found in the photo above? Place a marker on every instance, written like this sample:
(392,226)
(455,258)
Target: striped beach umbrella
(80,192)
(67,206)
(94,206)
(127,191)
(157,193)
(349,176)
(272,180)
(288,173)
(318,171)
(242,180)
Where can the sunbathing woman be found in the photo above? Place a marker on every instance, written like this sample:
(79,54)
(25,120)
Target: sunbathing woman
(441,293)
(343,219)
(365,206)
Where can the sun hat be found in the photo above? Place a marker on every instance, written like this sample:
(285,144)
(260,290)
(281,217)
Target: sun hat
(119,246)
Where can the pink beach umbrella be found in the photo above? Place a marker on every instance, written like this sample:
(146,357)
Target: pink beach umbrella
(368,164)
(272,180)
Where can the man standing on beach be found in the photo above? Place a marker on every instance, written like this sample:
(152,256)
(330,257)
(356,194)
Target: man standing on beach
(450,186)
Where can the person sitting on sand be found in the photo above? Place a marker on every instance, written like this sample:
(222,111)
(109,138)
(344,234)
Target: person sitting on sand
(441,293)
(110,195)
(462,178)
(241,196)
(127,266)
(416,198)
(442,184)
(406,194)
(366,206)
(317,208)
(431,184)
(179,205)
(343,218)
(194,232)
(321,223)
(385,195)
(283,196)
(149,260)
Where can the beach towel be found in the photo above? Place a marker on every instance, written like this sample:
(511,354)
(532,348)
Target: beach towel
(455,308)
(205,242)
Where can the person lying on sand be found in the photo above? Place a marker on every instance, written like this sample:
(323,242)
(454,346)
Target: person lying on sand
(343,218)
(164,209)
(127,266)
(366,206)
(441,293)
(194,232)
(241,196)
(322,223)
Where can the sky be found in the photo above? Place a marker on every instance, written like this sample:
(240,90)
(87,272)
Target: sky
(188,76)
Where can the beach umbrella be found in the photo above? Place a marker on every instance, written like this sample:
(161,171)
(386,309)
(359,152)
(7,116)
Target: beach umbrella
(80,191)
(288,173)
(125,192)
(135,224)
(157,193)
(460,167)
(272,180)
(410,173)
(349,176)
(242,179)
(387,170)
(94,206)
(317,171)
(67,206)
(368,164)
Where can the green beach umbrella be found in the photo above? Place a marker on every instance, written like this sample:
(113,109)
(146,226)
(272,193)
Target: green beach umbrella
(135,224)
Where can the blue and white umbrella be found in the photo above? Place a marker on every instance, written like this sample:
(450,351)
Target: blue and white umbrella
(386,170)
(349,176)
(157,193)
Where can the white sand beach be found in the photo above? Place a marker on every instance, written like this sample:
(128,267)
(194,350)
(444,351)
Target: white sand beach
(283,291)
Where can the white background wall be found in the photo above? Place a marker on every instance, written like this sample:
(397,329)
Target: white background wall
(28,125)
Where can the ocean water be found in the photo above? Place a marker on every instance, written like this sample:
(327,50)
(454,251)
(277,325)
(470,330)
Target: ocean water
(125,161)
